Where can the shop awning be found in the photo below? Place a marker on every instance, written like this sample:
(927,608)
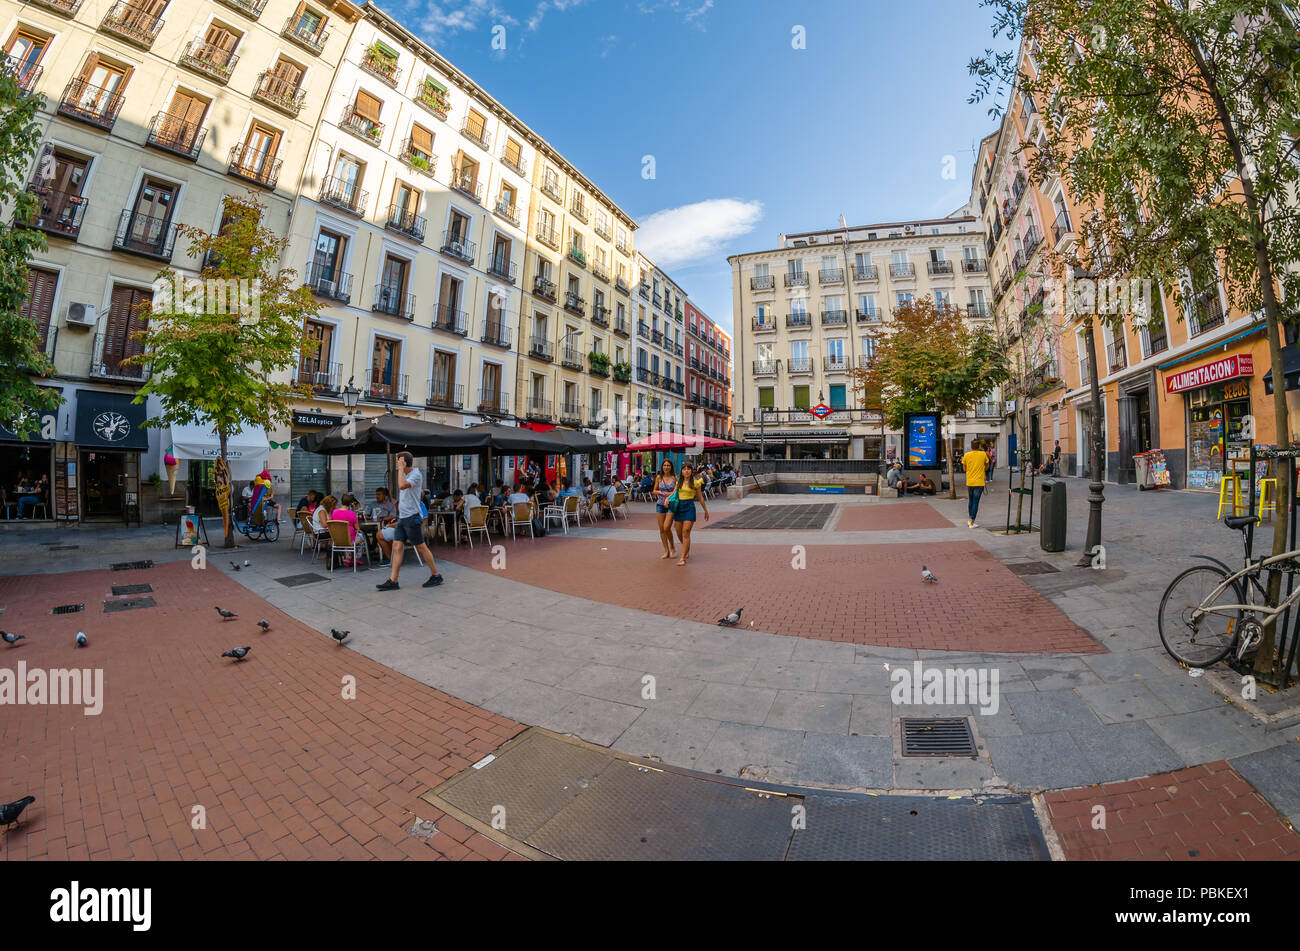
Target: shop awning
(393,433)
(1290,366)
(247,450)
(110,421)
(39,427)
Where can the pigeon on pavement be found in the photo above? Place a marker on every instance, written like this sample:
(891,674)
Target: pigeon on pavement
(227,615)
(81,638)
(12,639)
(247,563)
(339,636)
(239,653)
(264,625)
(10,812)
(731,619)
(928,576)
(235,566)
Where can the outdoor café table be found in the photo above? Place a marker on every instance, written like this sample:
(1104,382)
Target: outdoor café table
(371,531)
(448,518)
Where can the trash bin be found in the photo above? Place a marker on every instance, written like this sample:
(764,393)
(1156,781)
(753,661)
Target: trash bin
(1051,521)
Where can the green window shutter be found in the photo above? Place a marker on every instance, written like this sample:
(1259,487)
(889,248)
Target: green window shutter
(386,49)
(766,397)
(435,85)
(837,396)
(801,398)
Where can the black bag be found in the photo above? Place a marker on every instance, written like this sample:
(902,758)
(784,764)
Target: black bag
(538,528)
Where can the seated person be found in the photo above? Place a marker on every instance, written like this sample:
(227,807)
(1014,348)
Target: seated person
(384,510)
(922,486)
(567,490)
(343,513)
(321,515)
(523,494)
(895,475)
(647,482)
(308,502)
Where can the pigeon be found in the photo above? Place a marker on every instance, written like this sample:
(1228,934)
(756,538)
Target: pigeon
(81,638)
(339,636)
(731,619)
(247,563)
(12,639)
(227,615)
(10,812)
(264,625)
(928,576)
(239,653)
(235,566)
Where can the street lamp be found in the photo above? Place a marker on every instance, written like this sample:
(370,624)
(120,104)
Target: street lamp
(351,396)
(1096,438)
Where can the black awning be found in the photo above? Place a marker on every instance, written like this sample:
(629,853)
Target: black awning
(110,421)
(39,426)
(1290,366)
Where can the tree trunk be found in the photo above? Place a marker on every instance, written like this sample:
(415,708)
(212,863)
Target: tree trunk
(227,529)
(952,478)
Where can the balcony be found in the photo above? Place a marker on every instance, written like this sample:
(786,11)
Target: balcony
(549,238)
(107,356)
(902,271)
(799,366)
(492,402)
(830,275)
(571,357)
(57,213)
(578,208)
(506,211)
(1116,357)
(67,8)
(450,320)
(145,235)
(621,327)
(620,285)
(600,315)
(868,273)
(443,394)
(278,94)
(22,73)
(551,189)
(764,368)
(796,280)
(210,60)
(406,223)
(643,329)
(249,8)
(455,244)
(988,409)
(977,311)
(386,387)
(502,267)
(344,194)
(94,105)
(575,304)
(260,167)
(571,413)
(657,337)
(544,288)
(1032,240)
(1206,311)
(974,266)
(798,320)
(939,268)
(1062,231)
(319,377)
(302,33)
(599,270)
(434,99)
(390,300)
(132,23)
(677,349)
(622,373)
(577,256)
(540,347)
(382,66)
(328,282)
(622,246)
(602,229)
(367,130)
(518,166)
(598,364)
(482,138)
(496,333)
(836,364)
(867,316)
(173,134)
(644,290)
(835,318)
(536,408)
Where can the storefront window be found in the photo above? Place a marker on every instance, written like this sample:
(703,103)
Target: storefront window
(1215,425)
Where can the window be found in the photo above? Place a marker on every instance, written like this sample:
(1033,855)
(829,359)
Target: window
(442,384)
(500,256)
(799,351)
(385,364)
(798,308)
(25,51)
(943,299)
(151,216)
(800,400)
(835,350)
(490,398)
(902,299)
(421,142)
(868,349)
(457,227)
(766,397)
(327,260)
(39,302)
(219,44)
(475,125)
(314,362)
(513,154)
(761,270)
(794,267)
(839,399)
(450,291)
(867,305)
(257,157)
(179,127)
(124,321)
(307,23)
(95,91)
(392,287)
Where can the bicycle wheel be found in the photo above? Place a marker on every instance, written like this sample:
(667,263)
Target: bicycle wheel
(1207,640)
(272,531)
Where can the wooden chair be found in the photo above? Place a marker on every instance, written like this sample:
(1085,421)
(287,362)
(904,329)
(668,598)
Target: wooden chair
(619,502)
(521,514)
(476,521)
(308,532)
(341,546)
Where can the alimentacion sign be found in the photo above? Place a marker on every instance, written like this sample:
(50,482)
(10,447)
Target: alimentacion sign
(1239,364)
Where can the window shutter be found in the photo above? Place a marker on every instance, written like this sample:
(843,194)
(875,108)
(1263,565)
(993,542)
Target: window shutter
(475,124)
(367,106)
(221,38)
(40,299)
(422,139)
(512,152)
(287,74)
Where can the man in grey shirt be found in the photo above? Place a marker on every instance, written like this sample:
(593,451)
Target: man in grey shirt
(410,522)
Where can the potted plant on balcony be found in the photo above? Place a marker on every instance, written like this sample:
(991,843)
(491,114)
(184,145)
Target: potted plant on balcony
(434,98)
(623,372)
(379,59)
(418,160)
(599,362)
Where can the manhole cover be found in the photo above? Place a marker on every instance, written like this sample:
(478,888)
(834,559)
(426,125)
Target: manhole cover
(128,604)
(780,517)
(120,589)
(1032,568)
(294,581)
(945,736)
(68,609)
(131,565)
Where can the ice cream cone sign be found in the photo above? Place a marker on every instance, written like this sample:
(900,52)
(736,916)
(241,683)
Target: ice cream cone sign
(173,466)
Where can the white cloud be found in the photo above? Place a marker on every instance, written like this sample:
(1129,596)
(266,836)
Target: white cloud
(559,6)
(677,236)
(690,10)
(440,20)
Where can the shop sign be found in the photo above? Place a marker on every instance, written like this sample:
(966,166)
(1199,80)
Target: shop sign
(316,419)
(1242,364)
(1236,390)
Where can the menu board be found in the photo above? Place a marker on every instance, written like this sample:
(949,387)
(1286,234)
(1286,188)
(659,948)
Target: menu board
(65,488)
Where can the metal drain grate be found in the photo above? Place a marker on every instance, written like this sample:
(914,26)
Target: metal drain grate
(1032,568)
(128,604)
(68,609)
(940,736)
(131,565)
(120,589)
(293,581)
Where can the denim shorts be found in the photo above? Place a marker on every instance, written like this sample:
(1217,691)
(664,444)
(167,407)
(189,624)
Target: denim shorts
(410,530)
(661,508)
(685,510)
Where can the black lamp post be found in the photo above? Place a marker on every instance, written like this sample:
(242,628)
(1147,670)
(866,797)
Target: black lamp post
(351,396)
(1096,438)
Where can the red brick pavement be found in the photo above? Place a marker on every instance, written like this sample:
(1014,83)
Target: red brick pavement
(889,516)
(1203,812)
(863,594)
(283,765)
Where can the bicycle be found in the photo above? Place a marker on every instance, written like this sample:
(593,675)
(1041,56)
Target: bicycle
(1197,629)
(266,530)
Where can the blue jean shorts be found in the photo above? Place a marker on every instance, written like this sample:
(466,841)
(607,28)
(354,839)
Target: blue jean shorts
(661,509)
(410,530)
(685,510)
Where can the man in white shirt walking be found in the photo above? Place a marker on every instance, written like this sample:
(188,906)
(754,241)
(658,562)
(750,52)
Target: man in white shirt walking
(410,522)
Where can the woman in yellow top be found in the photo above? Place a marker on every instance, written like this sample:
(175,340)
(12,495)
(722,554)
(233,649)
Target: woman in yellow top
(689,489)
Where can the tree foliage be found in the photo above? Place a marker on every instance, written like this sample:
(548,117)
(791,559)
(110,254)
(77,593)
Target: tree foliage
(22,356)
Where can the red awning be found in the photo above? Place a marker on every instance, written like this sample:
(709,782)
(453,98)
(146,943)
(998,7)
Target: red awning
(677,442)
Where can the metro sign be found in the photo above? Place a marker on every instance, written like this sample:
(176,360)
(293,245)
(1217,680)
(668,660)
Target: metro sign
(1228,368)
(821,410)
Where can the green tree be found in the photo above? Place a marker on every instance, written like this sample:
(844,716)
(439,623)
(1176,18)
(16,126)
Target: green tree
(22,356)
(1177,120)
(221,347)
(928,359)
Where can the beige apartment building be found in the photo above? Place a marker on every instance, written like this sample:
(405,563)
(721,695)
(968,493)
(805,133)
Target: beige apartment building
(152,113)
(809,311)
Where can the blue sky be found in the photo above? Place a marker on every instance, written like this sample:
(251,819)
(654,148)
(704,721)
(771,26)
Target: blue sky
(750,136)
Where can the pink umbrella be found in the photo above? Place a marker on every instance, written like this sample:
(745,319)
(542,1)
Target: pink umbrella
(676,442)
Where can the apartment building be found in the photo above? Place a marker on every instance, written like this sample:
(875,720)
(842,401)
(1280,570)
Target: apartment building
(660,381)
(1185,380)
(811,309)
(151,115)
(708,376)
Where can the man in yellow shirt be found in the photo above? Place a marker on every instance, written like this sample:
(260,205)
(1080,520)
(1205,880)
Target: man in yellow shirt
(976,464)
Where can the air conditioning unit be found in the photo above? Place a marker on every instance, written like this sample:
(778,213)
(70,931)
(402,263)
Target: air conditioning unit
(81,315)
(327,288)
(908,229)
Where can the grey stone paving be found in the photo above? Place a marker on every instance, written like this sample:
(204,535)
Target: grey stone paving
(790,709)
